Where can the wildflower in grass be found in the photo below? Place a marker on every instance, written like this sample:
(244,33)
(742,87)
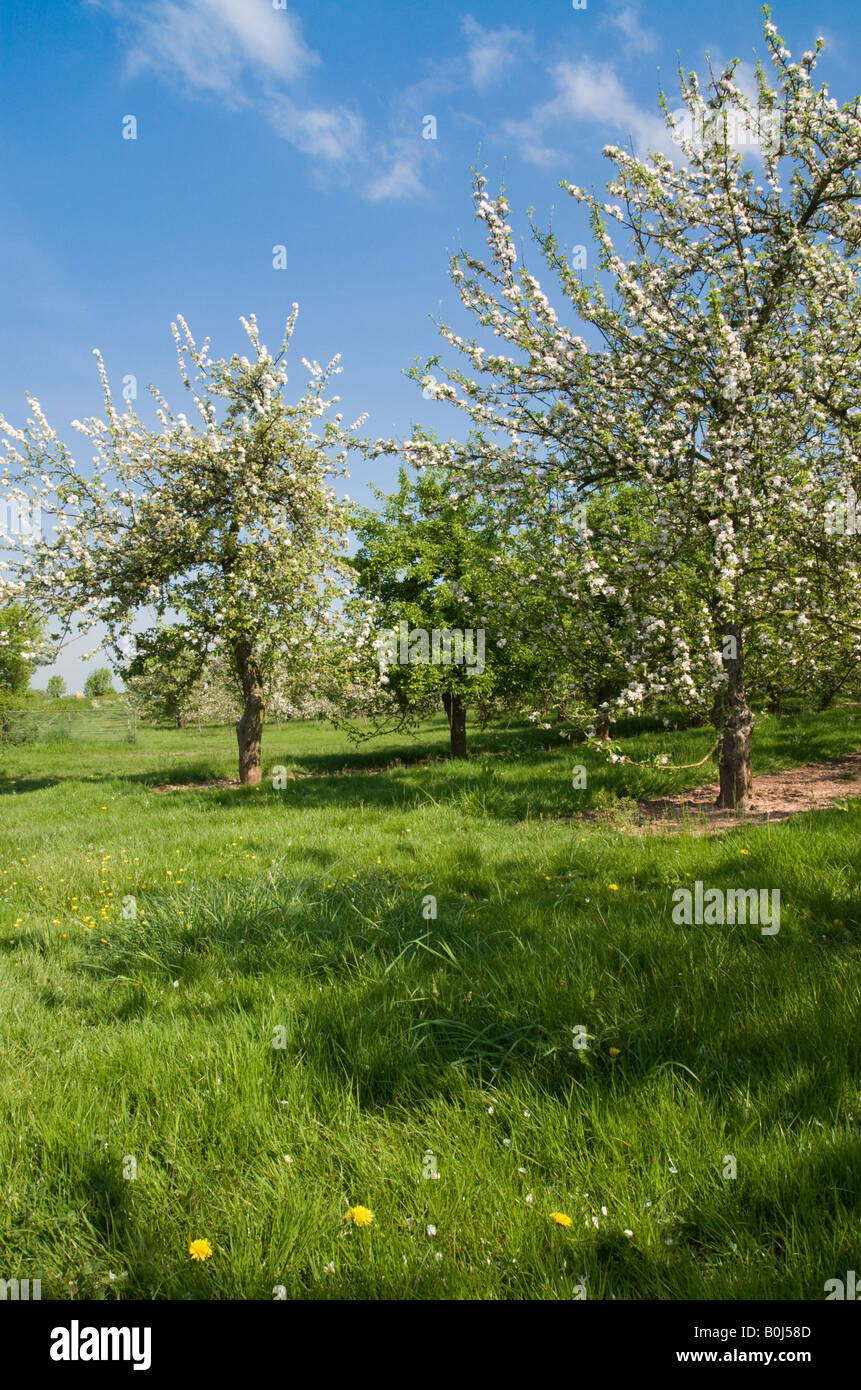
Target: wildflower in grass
(431,1230)
(615,1051)
(199,1249)
(744,851)
(360,1216)
(560,1218)
(614,887)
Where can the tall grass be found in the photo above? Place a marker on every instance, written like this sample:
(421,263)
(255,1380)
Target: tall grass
(303,917)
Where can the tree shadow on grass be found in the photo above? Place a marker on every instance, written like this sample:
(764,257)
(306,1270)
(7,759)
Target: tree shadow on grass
(397,1003)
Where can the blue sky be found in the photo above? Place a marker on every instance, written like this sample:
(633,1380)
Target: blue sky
(260,125)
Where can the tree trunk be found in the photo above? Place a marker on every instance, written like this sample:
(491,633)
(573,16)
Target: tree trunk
(249,729)
(180,719)
(733,720)
(456,713)
(602,712)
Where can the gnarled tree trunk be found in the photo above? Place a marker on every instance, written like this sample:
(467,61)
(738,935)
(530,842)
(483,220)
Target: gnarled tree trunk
(249,729)
(456,713)
(733,720)
(602,726)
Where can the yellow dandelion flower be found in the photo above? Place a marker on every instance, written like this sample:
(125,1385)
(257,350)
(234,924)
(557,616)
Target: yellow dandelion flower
(614,887)
(615,1051)
(560,1218)
(360,1216)
(199,1249)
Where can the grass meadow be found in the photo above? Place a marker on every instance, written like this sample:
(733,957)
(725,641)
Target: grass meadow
(278,1030)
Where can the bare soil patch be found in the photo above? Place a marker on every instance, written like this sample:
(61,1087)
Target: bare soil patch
(775,797)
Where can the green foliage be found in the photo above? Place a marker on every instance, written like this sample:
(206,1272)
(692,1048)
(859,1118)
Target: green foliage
(434,559)
(56,687)
(20,636)
(162,671)
(98,683)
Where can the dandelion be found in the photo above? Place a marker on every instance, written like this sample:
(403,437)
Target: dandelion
(615,1051)
(199,1249)
(360,1216)
(560,1218)
(431,1230)
(614,887)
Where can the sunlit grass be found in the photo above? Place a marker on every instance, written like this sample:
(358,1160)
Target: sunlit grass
(303,917)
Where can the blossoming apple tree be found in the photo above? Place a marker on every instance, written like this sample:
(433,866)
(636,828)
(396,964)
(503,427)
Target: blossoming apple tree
(228,529)
(716,375)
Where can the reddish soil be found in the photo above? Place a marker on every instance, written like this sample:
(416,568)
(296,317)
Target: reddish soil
(775,796)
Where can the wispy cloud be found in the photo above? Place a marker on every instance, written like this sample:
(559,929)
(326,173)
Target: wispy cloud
(246,53)
(487,59)
(402,179)
(626,18)
(491,53)
(211,44)
(590,92)
(333,133)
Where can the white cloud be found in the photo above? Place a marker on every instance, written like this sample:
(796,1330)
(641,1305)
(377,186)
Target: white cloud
(213,46)
(491,53)
(627,20)
(402,179)
(591,92)
(334,134)
(209,43)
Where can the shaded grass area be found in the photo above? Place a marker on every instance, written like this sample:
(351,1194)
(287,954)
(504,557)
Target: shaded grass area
(279,987)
